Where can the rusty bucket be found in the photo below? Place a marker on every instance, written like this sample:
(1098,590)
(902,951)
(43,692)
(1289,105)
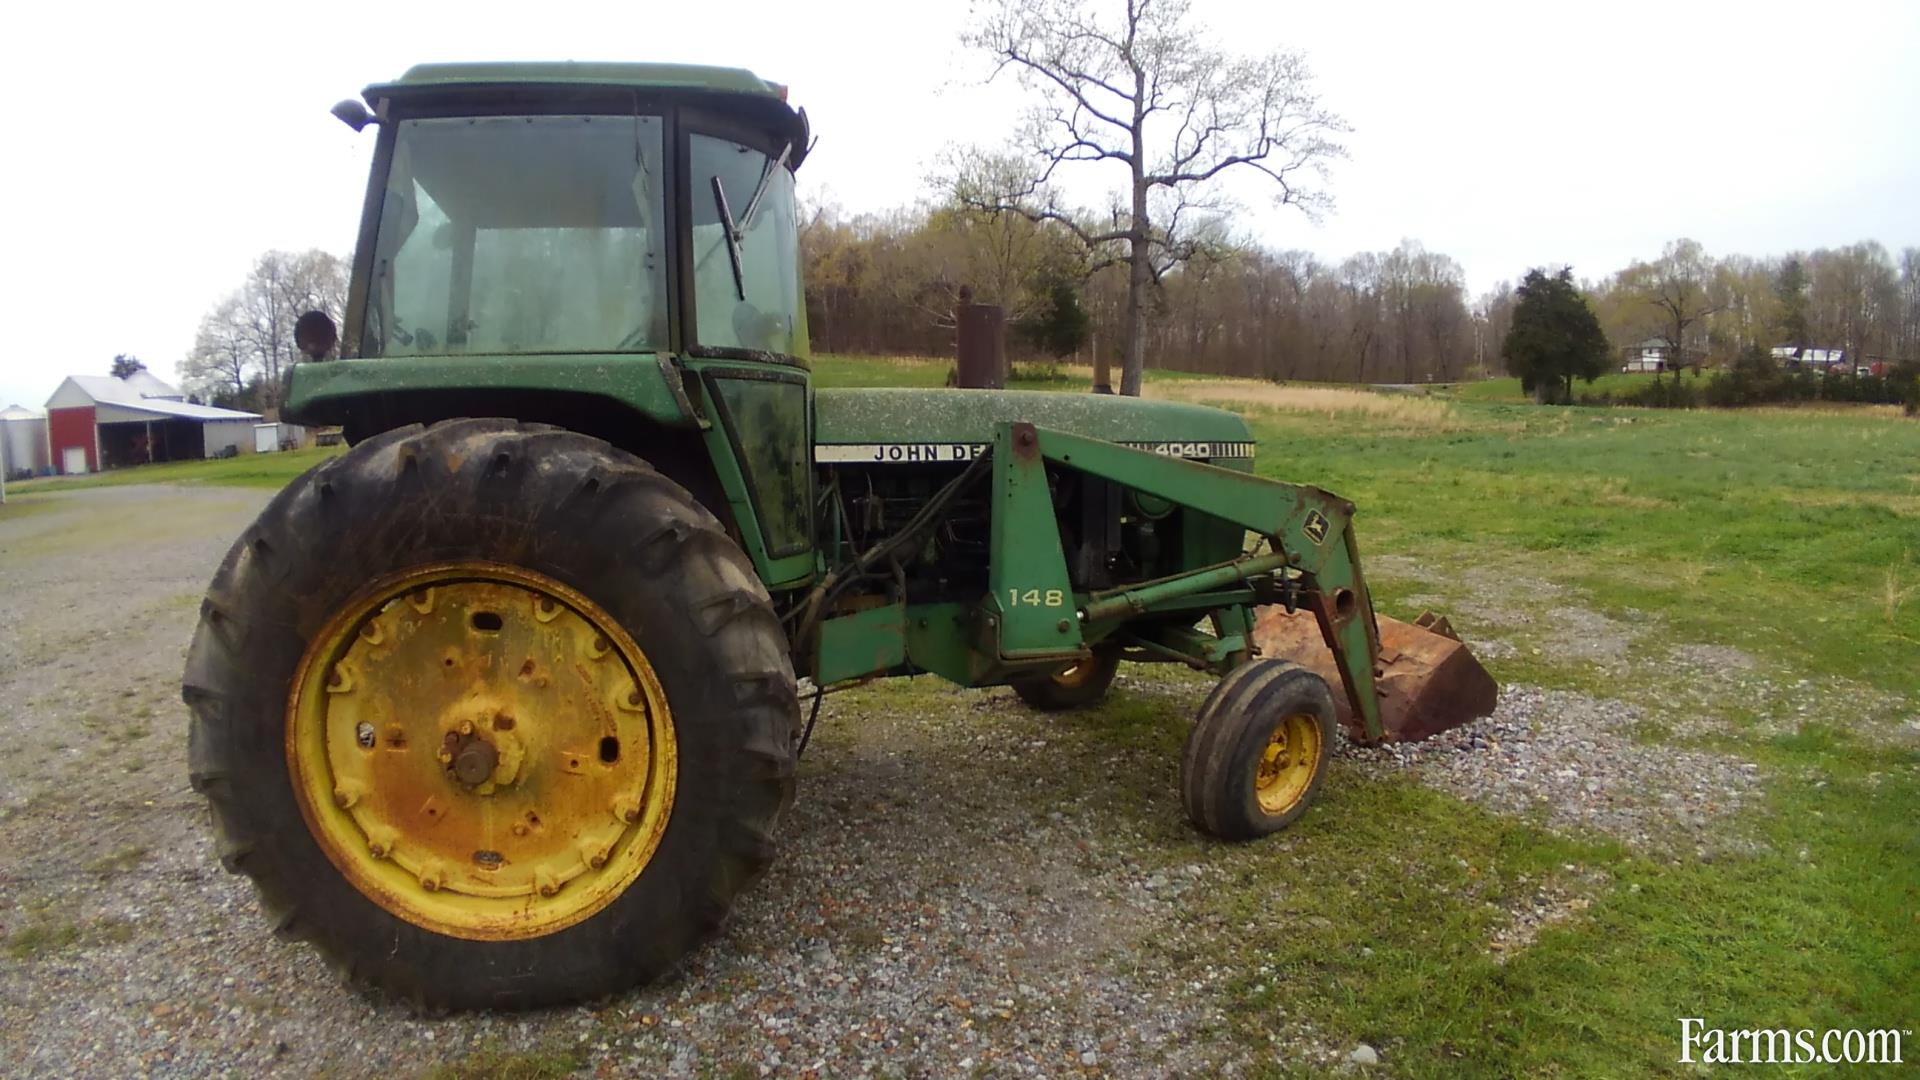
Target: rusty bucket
(1427,679)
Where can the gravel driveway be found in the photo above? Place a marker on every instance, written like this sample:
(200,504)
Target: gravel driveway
(961,888)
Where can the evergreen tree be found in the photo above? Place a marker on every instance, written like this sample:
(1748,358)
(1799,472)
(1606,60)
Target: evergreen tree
(124,366)
(1555,337)
(1791,289)
(1061,325)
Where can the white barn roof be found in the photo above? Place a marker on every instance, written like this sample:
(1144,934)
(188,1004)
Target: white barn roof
(143,392)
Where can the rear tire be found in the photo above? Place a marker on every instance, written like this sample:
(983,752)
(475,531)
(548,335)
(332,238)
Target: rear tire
(1258,750)
(1077,687)
(575,511)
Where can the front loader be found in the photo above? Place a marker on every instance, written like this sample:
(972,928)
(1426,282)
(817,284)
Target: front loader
(501,707)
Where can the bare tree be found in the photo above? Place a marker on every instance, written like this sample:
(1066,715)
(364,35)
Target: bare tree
(246,342)
(221,362)
(1680,290)
(1141,87)
(281,287)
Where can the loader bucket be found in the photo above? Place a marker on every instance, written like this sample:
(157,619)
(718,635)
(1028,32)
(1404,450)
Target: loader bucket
(1427,679)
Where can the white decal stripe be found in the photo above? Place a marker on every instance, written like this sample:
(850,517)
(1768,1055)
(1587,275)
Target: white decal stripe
(923,453)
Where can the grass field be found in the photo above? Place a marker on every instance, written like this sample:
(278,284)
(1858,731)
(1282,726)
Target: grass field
(247,470)
(1508,389)
(1783,546)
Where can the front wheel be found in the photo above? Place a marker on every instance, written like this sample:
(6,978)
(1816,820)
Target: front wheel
(1258,750)
(494,714)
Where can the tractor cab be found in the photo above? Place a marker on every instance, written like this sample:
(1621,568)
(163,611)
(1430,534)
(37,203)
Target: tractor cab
(540,209)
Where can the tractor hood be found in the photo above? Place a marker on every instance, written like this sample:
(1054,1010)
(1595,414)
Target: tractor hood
(896,426)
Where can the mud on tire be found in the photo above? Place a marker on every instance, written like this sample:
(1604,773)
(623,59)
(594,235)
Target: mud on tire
(587,515)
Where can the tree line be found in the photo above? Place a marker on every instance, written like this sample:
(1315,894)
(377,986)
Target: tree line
(1708,311)
(887,282)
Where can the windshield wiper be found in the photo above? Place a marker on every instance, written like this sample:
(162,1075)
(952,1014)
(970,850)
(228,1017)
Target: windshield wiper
(766,181)
(737,231)
(733,236)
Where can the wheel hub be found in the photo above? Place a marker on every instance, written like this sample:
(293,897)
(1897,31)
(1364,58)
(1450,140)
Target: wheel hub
(1287,763)
(481,750)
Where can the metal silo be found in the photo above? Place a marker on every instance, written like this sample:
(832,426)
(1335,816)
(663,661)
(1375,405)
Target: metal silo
(23,442)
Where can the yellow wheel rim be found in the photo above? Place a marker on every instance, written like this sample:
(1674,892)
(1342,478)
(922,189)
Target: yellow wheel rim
(481,750)
(1288,764)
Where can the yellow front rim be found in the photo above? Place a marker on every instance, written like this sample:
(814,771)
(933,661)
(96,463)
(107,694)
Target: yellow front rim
(1288,763)
(481,750)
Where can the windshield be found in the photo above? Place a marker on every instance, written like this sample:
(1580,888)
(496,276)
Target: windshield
(523,234)
(746,260)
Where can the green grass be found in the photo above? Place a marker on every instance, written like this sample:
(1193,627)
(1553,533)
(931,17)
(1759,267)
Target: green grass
(1508,389)
(44,936)
(494,1062)
(1794,537)
(247,470)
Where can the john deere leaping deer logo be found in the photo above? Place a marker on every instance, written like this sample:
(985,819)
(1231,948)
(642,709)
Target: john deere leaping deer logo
(1315,527)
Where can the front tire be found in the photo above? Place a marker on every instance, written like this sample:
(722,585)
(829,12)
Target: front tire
(453,628)
(1258,750)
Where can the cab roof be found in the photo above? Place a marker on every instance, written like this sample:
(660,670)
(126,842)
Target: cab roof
(736,90)
(696,77)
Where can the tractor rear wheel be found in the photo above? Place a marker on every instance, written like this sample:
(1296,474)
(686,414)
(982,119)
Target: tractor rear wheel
(492,713)
(1081,685)
(1258,750)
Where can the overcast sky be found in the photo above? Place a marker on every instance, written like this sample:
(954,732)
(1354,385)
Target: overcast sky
(154,152)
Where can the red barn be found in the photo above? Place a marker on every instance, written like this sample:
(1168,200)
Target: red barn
(99,422)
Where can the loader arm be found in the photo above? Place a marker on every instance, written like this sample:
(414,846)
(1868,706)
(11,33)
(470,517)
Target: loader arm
(1313,553)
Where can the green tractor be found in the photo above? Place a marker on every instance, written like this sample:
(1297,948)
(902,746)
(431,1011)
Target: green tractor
(501,707)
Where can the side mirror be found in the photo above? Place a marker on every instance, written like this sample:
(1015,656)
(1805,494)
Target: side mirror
(315,335)
(352,113)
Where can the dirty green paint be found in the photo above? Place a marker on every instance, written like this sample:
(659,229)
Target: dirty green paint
(779,566)
(326,393)
(1029,611)
(893,415)
(565,73)
(939,639)
(1140,599)
(864,643)
(1215,653)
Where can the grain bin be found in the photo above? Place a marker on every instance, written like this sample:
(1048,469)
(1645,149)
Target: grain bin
(23,442)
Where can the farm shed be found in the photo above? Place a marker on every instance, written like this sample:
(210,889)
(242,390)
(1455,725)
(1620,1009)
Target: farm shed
(100,422)
(23,442)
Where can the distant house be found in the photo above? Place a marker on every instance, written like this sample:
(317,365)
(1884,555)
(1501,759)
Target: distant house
(1650,355)
(99,422)
(1807,358)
